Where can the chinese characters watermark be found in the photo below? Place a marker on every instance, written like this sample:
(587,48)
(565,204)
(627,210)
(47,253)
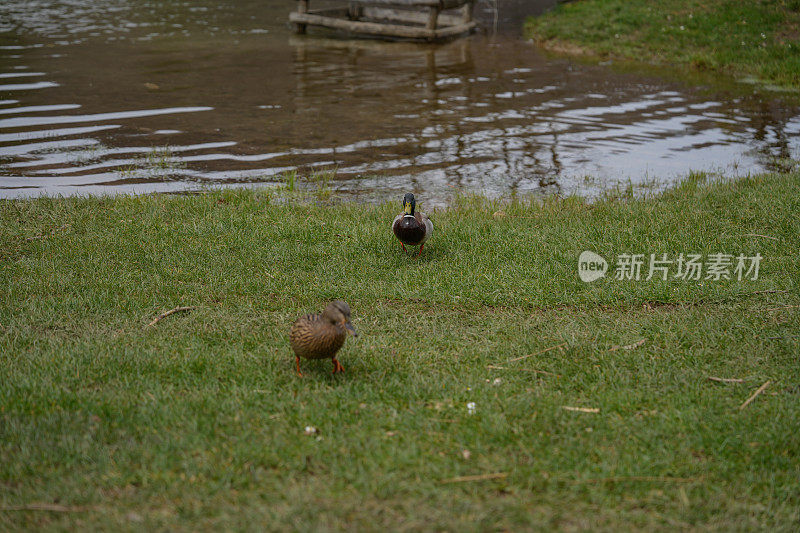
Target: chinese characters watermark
(688,267)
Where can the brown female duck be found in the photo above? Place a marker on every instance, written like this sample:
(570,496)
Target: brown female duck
(320,336)
(412,228)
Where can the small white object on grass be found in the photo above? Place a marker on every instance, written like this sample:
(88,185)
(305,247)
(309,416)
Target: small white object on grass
(311,430)
(471,408)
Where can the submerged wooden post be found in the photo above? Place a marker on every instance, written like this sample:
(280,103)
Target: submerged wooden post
(466,12)
(302,7)
(354,11)
(433,16)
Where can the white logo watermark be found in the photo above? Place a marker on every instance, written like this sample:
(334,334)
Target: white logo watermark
(591,266)
(714,267)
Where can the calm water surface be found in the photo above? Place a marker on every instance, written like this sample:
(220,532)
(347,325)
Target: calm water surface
(157,96)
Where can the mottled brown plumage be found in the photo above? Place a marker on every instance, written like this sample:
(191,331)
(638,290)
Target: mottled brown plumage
(320,336)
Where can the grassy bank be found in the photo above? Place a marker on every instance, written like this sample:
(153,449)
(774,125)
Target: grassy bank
(199,421)
(757,40)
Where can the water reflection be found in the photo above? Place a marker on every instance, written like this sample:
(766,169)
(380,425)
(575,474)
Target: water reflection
(177,96)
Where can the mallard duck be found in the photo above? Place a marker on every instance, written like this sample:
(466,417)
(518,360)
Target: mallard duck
(412,228)
(319,336)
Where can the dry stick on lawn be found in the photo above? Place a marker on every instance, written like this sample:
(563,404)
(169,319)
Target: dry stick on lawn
(637,478)
(759,235)
(770,291)
(784,307)
(171,311)
(756,393)
(537,353)
(495,367)
(581,409)
(54,507)
(628,346)
(726,380)
(479,477)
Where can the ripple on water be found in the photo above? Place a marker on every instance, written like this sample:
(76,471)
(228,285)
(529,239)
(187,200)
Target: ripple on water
(176,96)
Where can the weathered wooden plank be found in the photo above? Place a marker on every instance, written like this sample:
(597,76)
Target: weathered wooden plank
(441,4)
(373,28)
(466,12)
(457,29)
(302,7)
(355,10)
(409,16)
(338,12)
(433,18)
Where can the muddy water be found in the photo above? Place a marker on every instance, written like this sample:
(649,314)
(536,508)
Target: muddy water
(175,96)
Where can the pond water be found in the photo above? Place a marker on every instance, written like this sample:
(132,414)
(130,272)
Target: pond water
(159,96)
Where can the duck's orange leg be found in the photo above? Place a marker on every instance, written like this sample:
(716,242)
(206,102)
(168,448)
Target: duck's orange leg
(337,366)
(297,361)
(420,249)
(404,247)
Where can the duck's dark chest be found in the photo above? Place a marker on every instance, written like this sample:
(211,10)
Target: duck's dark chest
(409,230)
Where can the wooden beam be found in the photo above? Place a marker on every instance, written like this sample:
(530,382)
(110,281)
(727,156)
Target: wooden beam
(466,11)
(406,15)
(441,4)
(387,30)
(302,7)
(355,10)
(433,17)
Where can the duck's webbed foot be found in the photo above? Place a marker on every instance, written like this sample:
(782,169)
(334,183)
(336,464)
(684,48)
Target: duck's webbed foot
(297,362)
(337,366)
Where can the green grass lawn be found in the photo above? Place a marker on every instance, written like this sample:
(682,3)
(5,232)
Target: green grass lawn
(757,40)
(199,421)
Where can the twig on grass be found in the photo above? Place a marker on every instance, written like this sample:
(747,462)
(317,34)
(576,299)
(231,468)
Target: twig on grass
(759,235)
(726,380)
(581,409)
(628,346)
(756,393)
(783,307)
(479,477)
(495,367)
(53,507)
(620,479)
(537,353)
(167,313)
(770,291)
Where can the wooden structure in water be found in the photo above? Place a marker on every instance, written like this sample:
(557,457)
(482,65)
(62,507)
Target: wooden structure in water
(428,20)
